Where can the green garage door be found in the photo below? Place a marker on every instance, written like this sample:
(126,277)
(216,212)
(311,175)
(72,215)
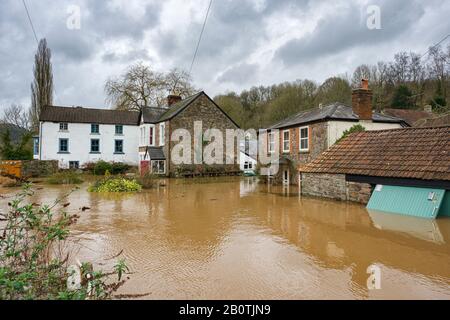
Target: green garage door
(418,202)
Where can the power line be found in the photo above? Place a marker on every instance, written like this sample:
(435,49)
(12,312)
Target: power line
(432,47)
(200,38)
(31,22)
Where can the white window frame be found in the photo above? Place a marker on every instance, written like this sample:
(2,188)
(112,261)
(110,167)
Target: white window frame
(270,143)
(159,162)
(288,141)
(162,134)
(64,126)
(300,138)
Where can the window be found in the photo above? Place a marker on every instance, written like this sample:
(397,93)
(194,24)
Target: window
(63,126)
(95,129)
(271,142)
(162,134)
(159,167)
(118,146)
(63,145)
(286,141)
(152,136)
(119,129)
(74,165)
(248,165)
(95,146)
(36,146)
(304,139)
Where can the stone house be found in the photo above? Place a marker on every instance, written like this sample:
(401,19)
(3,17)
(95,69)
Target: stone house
(157,126)
(411,158)
(306,135)
(75,136)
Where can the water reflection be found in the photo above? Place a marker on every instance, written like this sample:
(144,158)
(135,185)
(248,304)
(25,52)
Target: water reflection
(236,239)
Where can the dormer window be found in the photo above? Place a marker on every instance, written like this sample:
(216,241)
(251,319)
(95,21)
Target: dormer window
(63,126)
(95,128)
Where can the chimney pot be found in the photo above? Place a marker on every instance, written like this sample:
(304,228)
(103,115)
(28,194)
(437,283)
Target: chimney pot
(172,99)
(362,101)
(365,84)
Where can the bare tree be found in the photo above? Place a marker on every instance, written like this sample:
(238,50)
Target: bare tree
(361,72)
(42,86)
(141,86)
(17,115)
(179,82)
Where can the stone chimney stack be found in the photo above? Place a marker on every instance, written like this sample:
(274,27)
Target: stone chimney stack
(362,101)
(172,99)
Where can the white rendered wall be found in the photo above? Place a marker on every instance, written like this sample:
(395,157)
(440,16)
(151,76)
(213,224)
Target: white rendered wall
(336,128)
(79,135)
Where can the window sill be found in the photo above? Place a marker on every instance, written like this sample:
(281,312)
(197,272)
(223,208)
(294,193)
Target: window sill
(119,153)
(63,131)
(95,134)
(119,134)
(63,152)
(304,151)
(92,152)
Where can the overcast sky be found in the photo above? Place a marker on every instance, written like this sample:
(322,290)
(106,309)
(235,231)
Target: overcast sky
(246,42)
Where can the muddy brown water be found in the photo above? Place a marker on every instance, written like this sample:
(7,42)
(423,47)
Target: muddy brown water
(236,239)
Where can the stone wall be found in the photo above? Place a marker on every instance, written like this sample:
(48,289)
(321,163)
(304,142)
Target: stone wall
(202,109)
(334,186)
(318,143)
(39,168)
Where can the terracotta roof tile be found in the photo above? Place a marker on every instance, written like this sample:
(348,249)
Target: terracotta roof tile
(418,153)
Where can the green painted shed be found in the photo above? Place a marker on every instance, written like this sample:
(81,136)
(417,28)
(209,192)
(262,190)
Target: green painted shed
(426,203)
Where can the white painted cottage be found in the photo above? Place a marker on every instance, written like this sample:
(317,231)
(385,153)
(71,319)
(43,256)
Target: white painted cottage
(75,136)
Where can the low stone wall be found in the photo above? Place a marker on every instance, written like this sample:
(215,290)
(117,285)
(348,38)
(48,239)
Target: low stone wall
(39,168)
(334,186)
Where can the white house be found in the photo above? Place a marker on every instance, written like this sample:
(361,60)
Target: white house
(75,136)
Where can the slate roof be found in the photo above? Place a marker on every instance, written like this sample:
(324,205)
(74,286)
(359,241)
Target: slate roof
(410,116)
(178,107)
(89,115)
(156,153)
(415,153)
(152,114)
(335,111)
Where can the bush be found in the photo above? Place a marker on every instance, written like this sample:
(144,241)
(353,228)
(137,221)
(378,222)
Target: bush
(355,128)
(116,185)
(119,168)
(34,259)
(101,167)
(65,177)
(147,181)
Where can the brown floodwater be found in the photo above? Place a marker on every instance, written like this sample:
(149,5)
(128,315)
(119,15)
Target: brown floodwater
(237,239)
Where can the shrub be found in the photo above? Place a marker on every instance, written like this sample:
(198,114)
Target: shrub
(119,168)
(116,185)
(34,259)
(355,128)
(147,181)
(65,177)
(101,167)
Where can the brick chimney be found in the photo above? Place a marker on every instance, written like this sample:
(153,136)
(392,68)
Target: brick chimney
(362,101)
(172,99)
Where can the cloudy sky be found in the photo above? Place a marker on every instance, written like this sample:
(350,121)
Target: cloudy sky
(246,42)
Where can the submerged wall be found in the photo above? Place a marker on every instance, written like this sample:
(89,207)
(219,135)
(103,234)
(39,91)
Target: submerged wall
(334,186)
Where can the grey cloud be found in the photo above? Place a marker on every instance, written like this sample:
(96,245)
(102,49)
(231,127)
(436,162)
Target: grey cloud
(348,29)
(128,57)
(239,74)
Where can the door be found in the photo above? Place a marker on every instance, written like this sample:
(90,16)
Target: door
(145,167)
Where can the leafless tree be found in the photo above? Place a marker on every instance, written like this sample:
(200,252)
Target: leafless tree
(17,115)
(42,86)
(179,82)
(362,72)
(141,86)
